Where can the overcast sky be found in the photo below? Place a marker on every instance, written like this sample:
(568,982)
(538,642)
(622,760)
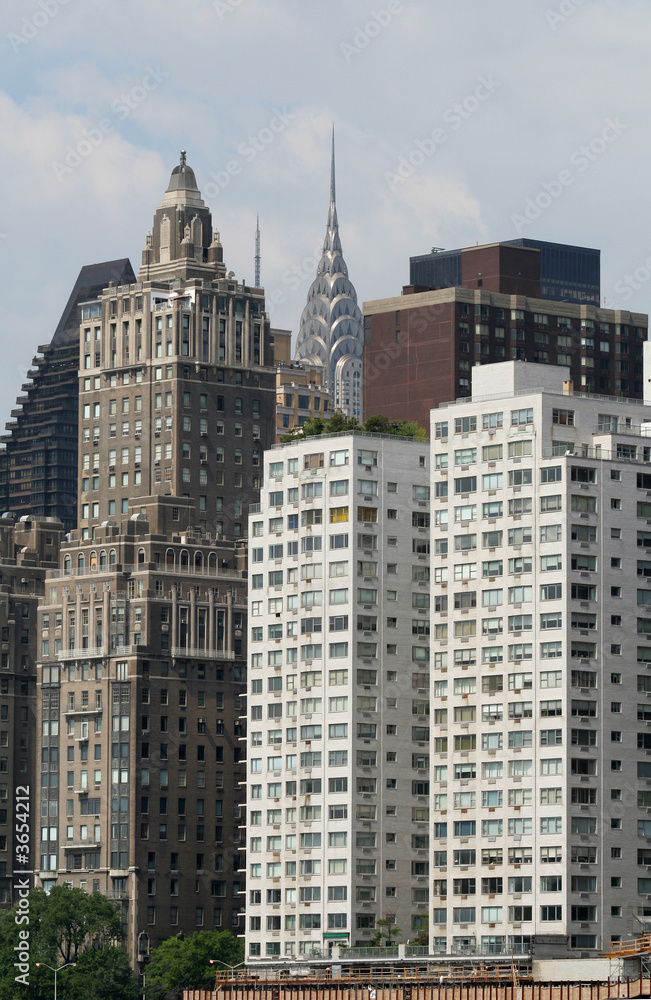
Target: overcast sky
(455,123)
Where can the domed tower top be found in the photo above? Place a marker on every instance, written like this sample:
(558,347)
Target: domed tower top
(182,188)
(182,242)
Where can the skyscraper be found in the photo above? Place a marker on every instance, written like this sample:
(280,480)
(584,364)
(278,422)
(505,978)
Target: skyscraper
(142,659)
(38,464)
(338,703)
(177,392)
(540,662)
(331,332)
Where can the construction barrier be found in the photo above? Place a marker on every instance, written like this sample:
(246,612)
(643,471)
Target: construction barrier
(266,989)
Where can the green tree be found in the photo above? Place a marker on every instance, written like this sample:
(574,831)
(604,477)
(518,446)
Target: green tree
(182,963)
(386,934)
(410,429)
(67,925)
(378,425)
(102,973)
(71,919)
(338,424)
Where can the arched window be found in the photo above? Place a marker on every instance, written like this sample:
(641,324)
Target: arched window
(112,557)
(184,559)
(169,558)
(93,560)
(80,561)
(198,560)
(212,562)
(102,559)
(141,556)
(66,564)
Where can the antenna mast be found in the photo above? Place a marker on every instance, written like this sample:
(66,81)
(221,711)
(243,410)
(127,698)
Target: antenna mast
(257,252)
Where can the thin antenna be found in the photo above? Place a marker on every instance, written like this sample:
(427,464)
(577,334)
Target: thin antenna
(332,169)
(257,252)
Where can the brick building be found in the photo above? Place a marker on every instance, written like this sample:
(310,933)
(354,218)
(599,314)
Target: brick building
(420,347)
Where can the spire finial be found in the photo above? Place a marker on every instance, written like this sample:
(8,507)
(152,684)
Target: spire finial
(332,168)
(183,157)
(332,229)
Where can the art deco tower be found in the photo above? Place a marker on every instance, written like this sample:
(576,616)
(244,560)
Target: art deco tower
(176,393)
(331,333)
(142,637)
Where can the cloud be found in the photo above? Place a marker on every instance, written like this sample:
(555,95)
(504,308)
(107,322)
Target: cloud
(227,75)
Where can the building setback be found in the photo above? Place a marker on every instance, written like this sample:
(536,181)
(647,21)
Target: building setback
(338,697)
(540,667)
(420,348)
(142,658)
(38,464)
(176,379)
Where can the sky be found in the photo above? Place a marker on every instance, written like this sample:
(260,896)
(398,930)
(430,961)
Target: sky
(456,124)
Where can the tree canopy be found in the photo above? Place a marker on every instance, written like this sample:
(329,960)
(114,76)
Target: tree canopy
(338,423)
(67,925)
(182,963)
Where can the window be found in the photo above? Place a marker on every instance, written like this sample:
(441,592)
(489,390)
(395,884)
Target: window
(491,421)
(520,417)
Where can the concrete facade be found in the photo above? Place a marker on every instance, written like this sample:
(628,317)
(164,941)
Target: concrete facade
(540,837)
(338,703)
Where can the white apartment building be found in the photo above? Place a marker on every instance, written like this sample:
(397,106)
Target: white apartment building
(541,667)
(339,701)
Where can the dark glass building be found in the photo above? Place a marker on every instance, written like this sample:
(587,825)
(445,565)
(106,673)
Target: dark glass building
(38,464)
(566,273)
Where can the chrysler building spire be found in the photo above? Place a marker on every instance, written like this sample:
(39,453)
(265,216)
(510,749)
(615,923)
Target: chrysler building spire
(331,332)
(332,241)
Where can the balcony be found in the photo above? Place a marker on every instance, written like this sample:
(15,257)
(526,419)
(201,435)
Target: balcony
(91,652)
(202,654)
